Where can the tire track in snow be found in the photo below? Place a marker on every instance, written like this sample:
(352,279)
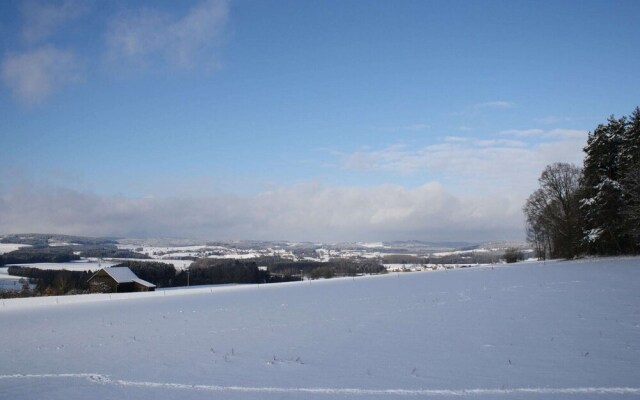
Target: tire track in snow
(105,380)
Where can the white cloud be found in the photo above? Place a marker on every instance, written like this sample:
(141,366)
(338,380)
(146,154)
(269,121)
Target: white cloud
(456,139)
(553,134)
(480,108)
(34,75)
(499,143)
(149,36)
(523,132)
(568,134)
(415,127)
(552,120)
(304,212)
(41,19)
(498,104)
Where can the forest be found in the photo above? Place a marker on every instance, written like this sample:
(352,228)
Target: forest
(42,253)
(27,255)
(593,209)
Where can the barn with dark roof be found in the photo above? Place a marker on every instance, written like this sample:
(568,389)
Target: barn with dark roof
(118,280)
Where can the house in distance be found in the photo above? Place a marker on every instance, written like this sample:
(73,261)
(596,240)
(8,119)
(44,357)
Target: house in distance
(119,280)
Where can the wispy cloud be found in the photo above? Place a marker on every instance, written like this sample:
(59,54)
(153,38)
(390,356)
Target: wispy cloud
(487,165)
(415,127)
(568,134)
(148,36)
(456,139)
(480,108)
(523,132)
(33,75)
(553,133)
(552,120)
(498,104)
(42,19)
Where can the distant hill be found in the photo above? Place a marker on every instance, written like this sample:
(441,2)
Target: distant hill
(45,239)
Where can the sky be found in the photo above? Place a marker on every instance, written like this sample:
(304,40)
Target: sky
(300,120)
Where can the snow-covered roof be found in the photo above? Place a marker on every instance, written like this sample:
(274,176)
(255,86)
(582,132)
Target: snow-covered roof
(144,283)
(125,275)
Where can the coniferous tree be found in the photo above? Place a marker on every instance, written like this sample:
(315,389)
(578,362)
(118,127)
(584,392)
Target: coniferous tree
(630,160)
(602,192)
(608,197)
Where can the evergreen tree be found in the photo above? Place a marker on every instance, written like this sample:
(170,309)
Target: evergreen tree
(630,145)
(630,160)
(601,194)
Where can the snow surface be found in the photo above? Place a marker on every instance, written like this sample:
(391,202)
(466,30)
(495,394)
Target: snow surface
(125,275)
(9,282)
(9,247)
(561,330)
(85,264)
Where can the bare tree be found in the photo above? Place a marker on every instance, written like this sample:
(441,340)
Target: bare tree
(552,212)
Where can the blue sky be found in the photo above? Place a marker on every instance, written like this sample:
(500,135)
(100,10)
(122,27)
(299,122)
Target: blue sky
(333,120)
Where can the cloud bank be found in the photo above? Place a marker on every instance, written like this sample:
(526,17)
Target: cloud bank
(309,212)
(487,182)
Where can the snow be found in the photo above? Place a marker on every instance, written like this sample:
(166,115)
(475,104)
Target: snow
(461,252)
(85,264)
(372,245)
(171,253)
(9,282)
(593,235)
(121,274)
(94,264)
(9,247)
(567,330)
(178,264)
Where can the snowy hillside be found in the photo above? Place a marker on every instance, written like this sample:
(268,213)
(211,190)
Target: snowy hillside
(524,331)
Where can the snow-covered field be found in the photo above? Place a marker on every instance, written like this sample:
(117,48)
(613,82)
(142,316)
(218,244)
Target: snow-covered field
(84,264)
(564,330)
(9,247)
(178,264)
(8,282)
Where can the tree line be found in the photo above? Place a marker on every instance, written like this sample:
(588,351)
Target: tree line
(204,271)
(315,269)
(61,254)
(53,282)
(594,209)
(43,239)
(29,255)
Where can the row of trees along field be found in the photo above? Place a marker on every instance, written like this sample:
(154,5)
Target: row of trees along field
(204,271)
(594,209)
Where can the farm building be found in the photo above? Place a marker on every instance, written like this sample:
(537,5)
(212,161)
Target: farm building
(118,280)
